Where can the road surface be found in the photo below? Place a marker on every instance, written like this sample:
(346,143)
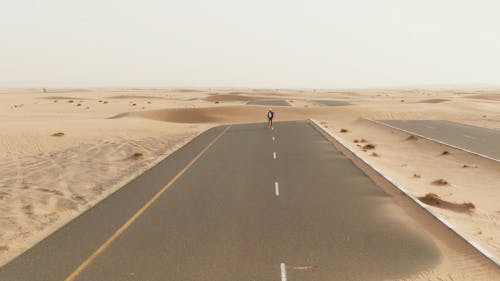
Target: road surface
(476,139)
(331,102)
(239,203)
(270,102)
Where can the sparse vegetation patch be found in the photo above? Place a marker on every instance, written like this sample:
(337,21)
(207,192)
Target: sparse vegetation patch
(369,146)
(440,182)
(433,199)
(412,137)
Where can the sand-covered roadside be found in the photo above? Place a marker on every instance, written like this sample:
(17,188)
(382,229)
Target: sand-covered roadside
(111,135)
(460,186)
(58,158)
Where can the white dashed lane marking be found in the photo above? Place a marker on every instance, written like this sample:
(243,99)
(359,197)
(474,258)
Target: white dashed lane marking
(469,137)
(276,189)
(274,155)
(283,272)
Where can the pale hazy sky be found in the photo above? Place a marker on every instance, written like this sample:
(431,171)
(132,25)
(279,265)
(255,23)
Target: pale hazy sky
(259,43)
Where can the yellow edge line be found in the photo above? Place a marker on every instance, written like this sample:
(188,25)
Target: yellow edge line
(113,237)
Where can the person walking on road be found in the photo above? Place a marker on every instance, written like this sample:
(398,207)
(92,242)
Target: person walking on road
(270,116)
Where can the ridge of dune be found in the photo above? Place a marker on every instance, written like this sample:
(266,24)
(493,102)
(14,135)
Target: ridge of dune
(62,98)
(433,100)
(492,97)
(225,114)
(134,97)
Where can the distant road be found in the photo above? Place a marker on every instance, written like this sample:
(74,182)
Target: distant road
(270,102)
(476,139)
(331,102)
(243,203)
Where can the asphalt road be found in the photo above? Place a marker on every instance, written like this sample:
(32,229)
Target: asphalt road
(331,102)
(476,139)
(270,102)
(258,204)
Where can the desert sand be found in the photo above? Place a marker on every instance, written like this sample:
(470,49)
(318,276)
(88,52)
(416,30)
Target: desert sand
(64,150)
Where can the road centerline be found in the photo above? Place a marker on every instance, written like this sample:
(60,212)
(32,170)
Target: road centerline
(131,220)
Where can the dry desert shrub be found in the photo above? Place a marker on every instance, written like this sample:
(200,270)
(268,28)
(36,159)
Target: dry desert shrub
(363,140)
(355,141)
(60,134)
(375,154)
(440,182)
(446,152)
(369,146)
(136,156)
(417,176)
(344,130)
(4,248)
(412,137)
(71,101)
(433,199)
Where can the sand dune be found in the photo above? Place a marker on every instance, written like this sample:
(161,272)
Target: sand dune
(51,170)
(34,204)
(134,97)
(433,100)
(493,97)
(63,98)
(67,90)
(227,114)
